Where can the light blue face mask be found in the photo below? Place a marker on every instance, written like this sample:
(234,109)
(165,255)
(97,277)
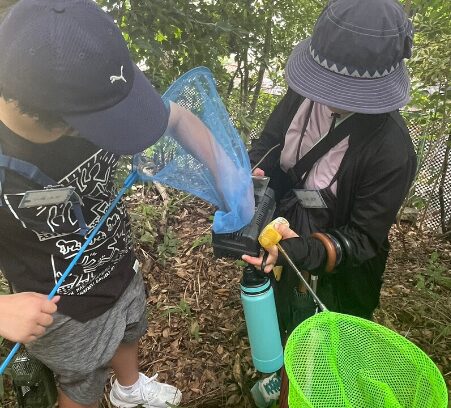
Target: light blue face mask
(225,181)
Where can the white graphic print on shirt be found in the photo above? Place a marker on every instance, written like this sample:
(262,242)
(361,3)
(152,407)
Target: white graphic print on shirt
(57,225)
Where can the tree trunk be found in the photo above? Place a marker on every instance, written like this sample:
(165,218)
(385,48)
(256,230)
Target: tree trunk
(232,79)
(262,69)
(246,73)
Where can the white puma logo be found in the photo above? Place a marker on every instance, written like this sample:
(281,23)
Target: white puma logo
(114,78)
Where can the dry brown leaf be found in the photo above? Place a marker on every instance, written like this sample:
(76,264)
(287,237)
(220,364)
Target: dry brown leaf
(217,370)
(237,373)
(233,400)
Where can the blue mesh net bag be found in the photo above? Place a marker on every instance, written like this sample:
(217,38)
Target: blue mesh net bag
(225,181)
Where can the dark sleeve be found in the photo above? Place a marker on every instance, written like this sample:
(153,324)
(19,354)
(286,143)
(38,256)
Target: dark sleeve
(380,193)
(309,253)
(274,132)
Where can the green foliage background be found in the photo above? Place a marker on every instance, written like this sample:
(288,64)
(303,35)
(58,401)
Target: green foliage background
(168,38)
(245,43)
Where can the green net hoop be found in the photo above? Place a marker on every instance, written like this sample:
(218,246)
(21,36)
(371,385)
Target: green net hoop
(334,360)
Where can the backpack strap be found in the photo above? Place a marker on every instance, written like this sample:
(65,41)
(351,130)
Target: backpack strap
(305,164)
(26,169)
(36,175)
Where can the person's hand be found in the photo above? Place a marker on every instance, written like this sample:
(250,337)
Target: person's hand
(24,316)
(273,253)
(285,231)
(258,172)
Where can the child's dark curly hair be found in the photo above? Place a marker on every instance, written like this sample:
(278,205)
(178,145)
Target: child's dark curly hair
(49,120)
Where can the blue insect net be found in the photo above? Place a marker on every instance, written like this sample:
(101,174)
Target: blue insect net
(225,179)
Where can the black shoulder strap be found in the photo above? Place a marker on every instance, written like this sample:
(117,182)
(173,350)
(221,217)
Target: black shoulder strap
(305,164)
(368,126)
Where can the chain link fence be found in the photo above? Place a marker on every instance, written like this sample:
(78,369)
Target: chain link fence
(431,193)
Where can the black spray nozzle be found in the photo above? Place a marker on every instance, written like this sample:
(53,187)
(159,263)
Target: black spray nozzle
(252,277)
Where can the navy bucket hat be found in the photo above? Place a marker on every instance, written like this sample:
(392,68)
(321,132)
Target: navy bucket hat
(69,57)
(354,59)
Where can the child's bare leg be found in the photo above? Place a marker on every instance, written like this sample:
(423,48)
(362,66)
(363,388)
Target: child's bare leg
(125,364)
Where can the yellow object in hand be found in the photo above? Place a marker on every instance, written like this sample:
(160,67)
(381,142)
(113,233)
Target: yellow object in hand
(277,271)
(270,236)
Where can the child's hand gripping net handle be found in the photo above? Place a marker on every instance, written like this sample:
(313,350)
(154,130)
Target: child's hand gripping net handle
(270,237)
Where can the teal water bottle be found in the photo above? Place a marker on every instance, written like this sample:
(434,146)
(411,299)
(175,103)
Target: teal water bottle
(257,297)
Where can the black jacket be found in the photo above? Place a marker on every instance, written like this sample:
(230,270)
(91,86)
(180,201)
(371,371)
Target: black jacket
(375,176)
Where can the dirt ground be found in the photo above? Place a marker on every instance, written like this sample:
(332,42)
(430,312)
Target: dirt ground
(197,336)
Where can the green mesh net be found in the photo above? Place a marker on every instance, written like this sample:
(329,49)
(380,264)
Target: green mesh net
(335,361)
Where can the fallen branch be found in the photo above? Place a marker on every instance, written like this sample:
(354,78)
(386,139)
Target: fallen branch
(165,197)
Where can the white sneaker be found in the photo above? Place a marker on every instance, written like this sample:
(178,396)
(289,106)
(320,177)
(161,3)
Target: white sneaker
(149,394)
(267,391)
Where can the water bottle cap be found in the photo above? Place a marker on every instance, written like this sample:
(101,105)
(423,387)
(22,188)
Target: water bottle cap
(257,289)
(254,281)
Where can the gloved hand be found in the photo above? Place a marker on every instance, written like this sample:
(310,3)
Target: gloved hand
(273,253)
(307,253)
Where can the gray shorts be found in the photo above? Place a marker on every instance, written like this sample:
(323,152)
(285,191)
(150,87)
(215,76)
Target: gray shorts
(79,353)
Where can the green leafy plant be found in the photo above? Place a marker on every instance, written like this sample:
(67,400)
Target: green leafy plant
(168,247)
(240,264)
(183,309)
(436,270)
(202,240)
(435,274)
(144,217)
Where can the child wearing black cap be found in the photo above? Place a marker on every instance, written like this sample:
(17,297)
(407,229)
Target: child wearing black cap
(72,102)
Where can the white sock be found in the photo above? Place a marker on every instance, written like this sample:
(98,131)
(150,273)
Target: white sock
(129,388)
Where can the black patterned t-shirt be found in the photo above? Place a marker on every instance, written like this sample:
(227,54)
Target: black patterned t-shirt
(38,243)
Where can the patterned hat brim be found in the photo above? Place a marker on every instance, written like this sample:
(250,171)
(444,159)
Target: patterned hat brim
(361,95)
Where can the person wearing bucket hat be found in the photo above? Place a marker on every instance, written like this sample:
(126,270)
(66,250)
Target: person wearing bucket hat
(340,159)
(71,102)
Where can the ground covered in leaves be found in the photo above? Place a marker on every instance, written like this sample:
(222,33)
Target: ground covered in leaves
(197,335)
